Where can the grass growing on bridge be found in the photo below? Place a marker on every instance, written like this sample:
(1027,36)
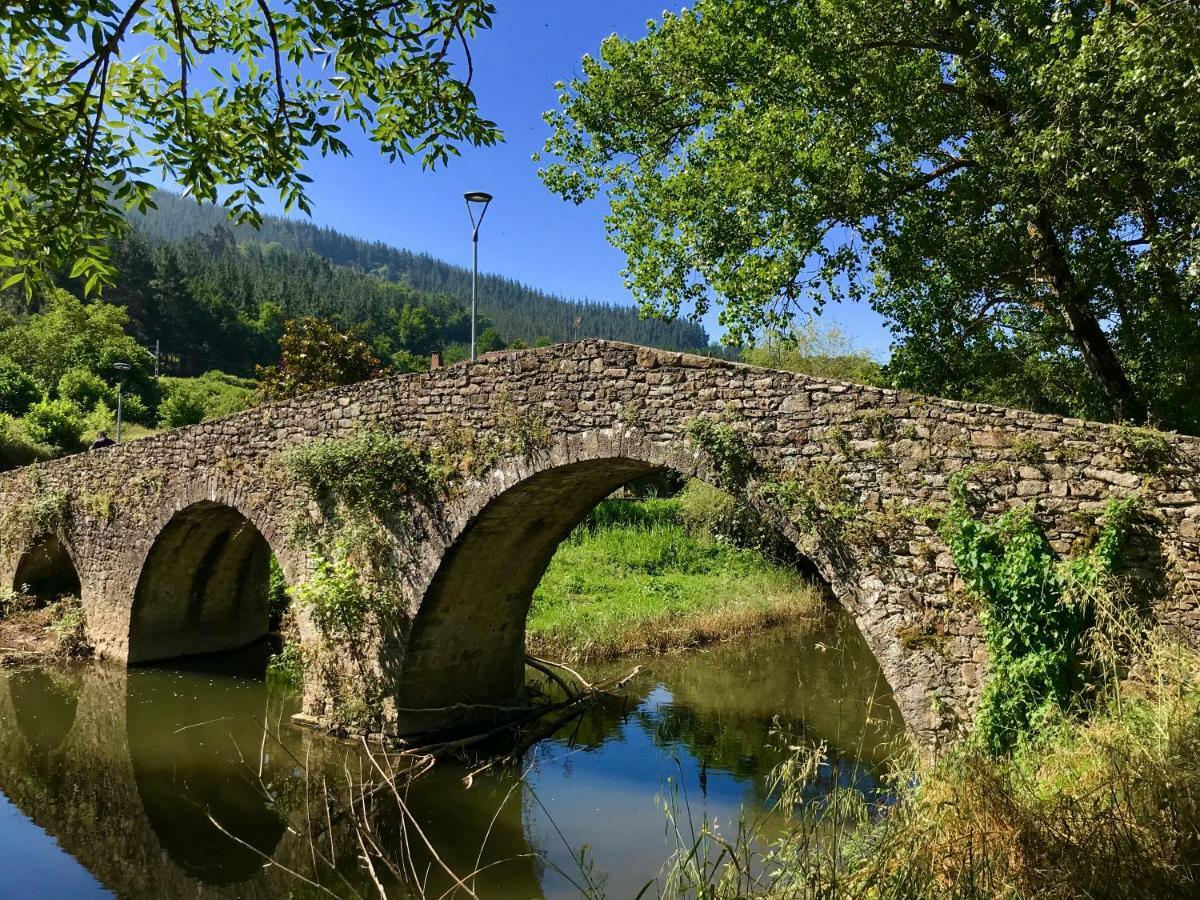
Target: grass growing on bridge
(632,577)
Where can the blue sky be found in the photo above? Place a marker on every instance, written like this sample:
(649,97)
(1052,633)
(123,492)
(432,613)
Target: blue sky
(530,234)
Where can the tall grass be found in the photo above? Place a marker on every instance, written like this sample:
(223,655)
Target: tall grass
(1102,806)
(632,577)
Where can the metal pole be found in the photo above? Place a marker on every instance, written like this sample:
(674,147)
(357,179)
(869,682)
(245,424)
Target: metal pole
(474,279)
(120,388)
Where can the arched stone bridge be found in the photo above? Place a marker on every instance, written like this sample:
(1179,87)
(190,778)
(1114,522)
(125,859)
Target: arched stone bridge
(169,538)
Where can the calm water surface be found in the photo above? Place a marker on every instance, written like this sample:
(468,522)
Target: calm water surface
(110,781)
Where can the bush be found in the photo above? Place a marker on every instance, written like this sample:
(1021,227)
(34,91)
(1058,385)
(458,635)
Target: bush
(83,388)
(213,394)
(18,391)
(16,447)
(706,510)
(180,408)
(55,423)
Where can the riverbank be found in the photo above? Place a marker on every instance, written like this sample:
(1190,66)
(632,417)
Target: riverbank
(634,578)
(32,633)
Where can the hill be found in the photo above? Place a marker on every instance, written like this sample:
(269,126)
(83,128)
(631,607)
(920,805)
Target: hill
(516,310)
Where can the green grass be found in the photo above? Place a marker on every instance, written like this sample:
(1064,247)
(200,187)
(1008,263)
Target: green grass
(633,578)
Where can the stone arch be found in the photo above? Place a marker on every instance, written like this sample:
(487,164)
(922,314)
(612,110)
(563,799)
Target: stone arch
(47,569)
(465,650)
(202,587)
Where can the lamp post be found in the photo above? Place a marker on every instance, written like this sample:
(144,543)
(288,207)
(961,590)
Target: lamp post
(475,199)
(121,368)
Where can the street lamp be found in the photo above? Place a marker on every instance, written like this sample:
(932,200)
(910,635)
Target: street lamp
(122,368)
(480,200)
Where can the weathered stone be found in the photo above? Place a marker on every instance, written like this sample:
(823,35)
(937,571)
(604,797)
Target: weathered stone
(165,534)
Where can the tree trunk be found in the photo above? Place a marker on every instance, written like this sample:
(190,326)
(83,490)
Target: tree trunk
(1085,330)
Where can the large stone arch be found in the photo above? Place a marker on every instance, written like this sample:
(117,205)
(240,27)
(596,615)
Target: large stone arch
(202,587)
(464,655)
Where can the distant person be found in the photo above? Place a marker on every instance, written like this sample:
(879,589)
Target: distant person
(102,440)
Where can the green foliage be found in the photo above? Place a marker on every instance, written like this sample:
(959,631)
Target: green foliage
(812,350)
(69,627)
(68,335)
(181,407)
(336,599)
(44,512)
(287,666)
(726,448)
(99,95)
(367,474)
(632,577)
(314,355)
(84,389)
(489,340)
(708,511)
(213,394)
(1149,451)
(1035,608)
(18,390)
(996,180)
(16,447)
(55,423)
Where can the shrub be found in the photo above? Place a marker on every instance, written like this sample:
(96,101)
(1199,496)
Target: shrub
(18,390)
(69,628)
(709,511)
(216,394)
(83,388)
(54,423)
(181,407)
(16,447)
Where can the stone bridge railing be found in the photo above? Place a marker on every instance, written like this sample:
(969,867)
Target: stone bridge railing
(170,536)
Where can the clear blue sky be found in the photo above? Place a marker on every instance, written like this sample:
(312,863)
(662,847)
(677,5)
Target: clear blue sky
(530,234)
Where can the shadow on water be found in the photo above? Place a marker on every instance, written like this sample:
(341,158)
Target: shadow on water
(124,769)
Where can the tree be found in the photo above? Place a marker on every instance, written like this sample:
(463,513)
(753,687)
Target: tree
(210,95)
(314,355)
(1009,169)
(72,335)
(824,352)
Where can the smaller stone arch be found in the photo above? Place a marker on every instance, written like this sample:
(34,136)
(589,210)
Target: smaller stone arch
(203,587)
(47,570)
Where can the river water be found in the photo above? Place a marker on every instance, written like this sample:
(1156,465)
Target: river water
(111,781)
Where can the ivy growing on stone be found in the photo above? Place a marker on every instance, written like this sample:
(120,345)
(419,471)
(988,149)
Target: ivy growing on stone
(1036,608)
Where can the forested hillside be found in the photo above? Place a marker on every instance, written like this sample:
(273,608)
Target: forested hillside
(368,278)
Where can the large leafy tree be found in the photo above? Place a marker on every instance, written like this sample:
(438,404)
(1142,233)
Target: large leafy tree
(224,97)
(1021,175)
(314,355)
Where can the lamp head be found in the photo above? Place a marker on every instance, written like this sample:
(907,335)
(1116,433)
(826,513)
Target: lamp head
(478,197)
(122,366)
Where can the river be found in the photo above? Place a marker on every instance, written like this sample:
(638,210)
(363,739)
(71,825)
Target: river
(112,780)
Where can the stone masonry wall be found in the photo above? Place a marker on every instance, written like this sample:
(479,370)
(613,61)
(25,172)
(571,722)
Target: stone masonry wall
(612,411)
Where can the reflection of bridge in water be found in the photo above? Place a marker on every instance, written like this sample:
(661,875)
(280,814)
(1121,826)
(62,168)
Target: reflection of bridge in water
(124,770)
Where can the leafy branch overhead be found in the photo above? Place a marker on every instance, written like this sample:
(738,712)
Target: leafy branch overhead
(226,98)
(1014,186)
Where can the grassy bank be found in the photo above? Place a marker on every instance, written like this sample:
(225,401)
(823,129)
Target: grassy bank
(1101,806)
(633,577)
(31,631)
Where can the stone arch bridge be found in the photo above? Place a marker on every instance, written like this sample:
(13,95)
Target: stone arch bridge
(168,539)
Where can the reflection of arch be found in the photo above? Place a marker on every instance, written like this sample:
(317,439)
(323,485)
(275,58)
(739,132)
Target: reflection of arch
(47,570)
(203,588)
(467,641)
(194,752)
(44,701)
